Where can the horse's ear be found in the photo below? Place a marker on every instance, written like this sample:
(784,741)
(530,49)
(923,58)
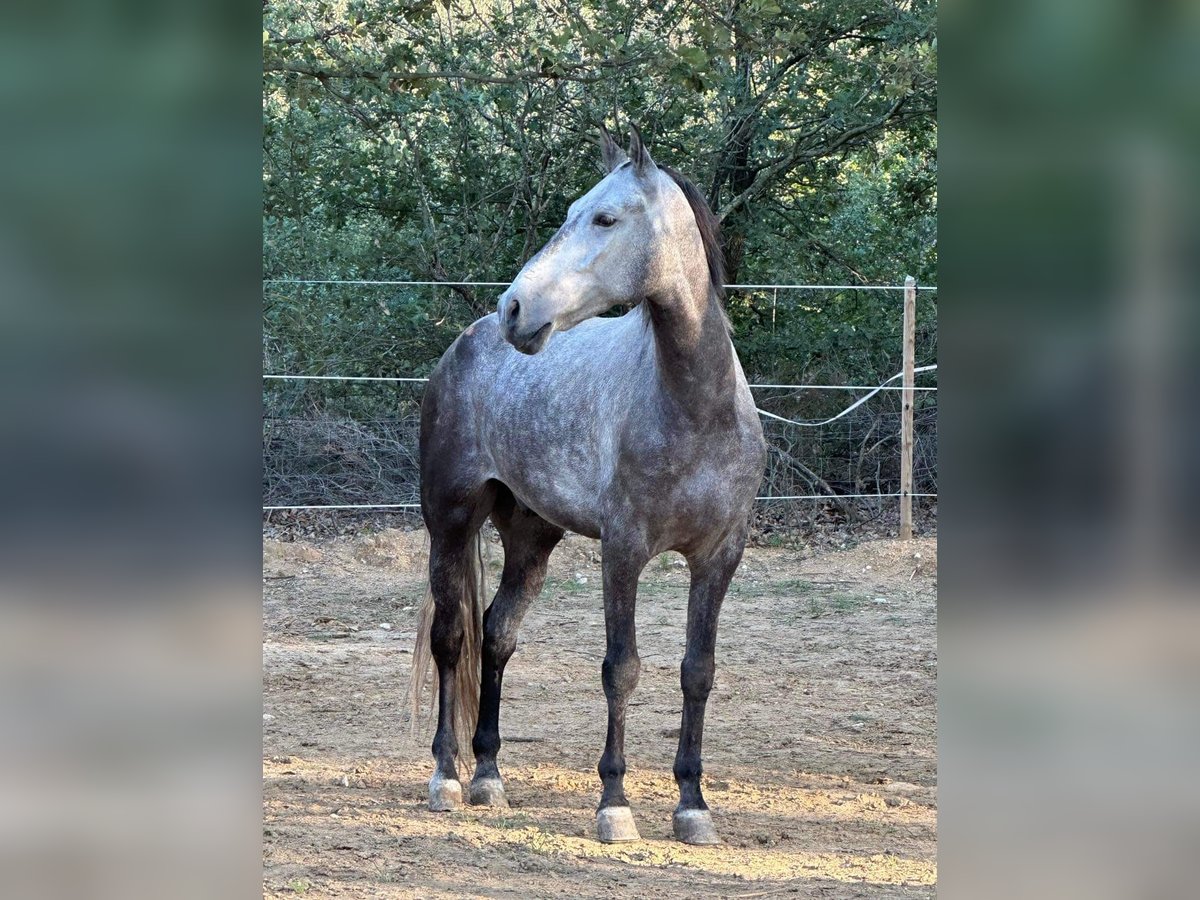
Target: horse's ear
(642,163)
(610,153)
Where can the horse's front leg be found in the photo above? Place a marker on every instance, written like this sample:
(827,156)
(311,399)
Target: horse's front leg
(692,822)
(619,673)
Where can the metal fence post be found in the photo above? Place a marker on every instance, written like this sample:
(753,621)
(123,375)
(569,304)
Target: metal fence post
(906,414)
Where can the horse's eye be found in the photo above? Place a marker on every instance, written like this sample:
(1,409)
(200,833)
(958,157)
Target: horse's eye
(604,220)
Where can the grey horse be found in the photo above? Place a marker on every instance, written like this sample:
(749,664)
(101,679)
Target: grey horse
(638,430)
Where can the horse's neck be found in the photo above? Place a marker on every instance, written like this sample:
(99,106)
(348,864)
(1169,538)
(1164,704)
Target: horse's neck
(694,353)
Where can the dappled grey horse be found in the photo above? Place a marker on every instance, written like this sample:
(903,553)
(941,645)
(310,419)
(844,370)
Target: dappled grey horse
(638,430)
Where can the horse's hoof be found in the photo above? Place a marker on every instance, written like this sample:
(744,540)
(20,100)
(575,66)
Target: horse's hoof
(488,792)
(614,825)
(445,794)
(694,826)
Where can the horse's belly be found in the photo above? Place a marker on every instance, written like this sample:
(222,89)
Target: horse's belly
(579,518)
(558,492)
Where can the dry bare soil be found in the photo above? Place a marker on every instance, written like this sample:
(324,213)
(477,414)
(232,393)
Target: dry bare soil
(819,755)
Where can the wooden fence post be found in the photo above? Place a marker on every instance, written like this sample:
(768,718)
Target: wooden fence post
(906,409)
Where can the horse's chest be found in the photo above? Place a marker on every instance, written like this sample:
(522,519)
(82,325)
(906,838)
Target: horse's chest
(698,477)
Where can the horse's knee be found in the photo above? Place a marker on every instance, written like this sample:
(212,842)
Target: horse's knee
(696,677)
(620,672)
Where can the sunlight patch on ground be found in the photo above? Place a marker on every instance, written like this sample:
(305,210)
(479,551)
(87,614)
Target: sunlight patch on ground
(560,825)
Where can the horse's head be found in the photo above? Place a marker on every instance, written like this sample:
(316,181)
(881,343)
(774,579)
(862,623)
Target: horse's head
(619,244)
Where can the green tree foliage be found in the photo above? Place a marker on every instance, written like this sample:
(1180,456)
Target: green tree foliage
(408,139)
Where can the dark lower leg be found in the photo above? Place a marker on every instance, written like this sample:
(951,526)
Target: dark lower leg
(528,542)
(620,676)
(486,743)
(500,626)
(447,573)
(696,676)
(710,580)
(445,742)
(621,668)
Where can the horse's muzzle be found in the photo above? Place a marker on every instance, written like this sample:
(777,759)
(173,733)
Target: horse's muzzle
(529,342)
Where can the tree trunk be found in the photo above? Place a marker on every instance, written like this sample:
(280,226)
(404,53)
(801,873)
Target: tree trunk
(734,172)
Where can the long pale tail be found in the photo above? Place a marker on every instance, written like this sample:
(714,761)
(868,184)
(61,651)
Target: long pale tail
(466,679)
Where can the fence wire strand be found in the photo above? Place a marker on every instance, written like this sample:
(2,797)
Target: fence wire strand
(340,456)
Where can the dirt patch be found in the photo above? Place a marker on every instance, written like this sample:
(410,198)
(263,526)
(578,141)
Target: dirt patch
(392,548)
(819,752)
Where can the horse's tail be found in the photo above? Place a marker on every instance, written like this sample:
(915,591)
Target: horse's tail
(466,680)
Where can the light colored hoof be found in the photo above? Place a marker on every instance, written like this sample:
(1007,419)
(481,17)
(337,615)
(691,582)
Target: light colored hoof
(445,794)
(488,792)
(694,826)
(614,825)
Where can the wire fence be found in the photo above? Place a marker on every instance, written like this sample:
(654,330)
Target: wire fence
(322,453)
(728,287)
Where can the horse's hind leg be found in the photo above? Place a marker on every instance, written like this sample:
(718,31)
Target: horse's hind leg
(453,581)
(692,822)
(528,541)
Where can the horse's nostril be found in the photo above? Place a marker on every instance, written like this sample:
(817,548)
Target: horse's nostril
(513,309)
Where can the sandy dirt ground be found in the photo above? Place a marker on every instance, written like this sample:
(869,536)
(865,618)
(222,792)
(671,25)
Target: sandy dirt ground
(820,744)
